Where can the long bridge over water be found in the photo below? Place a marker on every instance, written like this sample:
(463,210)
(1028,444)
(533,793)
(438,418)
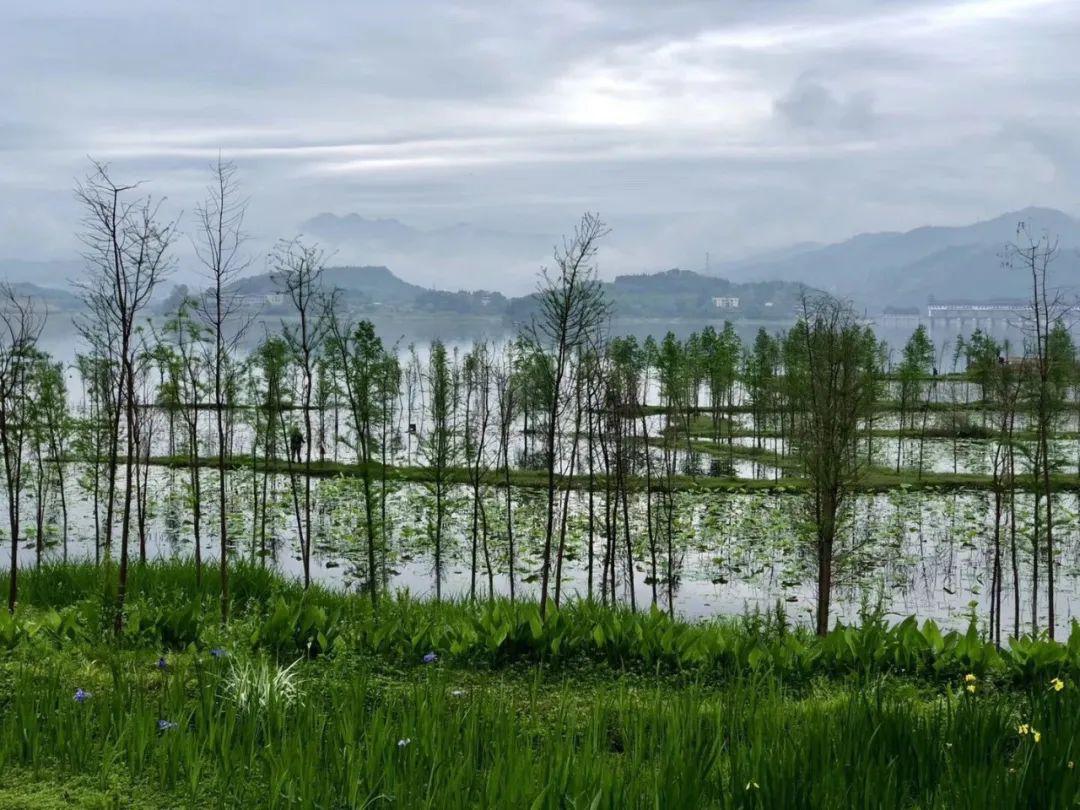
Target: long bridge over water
(963,318)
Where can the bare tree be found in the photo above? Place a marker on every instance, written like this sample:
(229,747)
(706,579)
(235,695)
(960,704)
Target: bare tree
(219,247)
(20,327)
(298,270)
(571,308)
(126,248)
(145,421)
(1034,257)
(507,407)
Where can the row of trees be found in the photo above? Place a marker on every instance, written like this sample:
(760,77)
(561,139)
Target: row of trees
(565,399)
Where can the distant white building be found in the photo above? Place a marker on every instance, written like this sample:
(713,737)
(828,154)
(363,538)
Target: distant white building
(255,300)
(726,302)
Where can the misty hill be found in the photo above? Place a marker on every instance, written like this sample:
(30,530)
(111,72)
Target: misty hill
(58,298)
(54,274)
(396,235)
(913,267)
(671,294)
(435,257)
(55,300)
(685,294)
(369,288)
(369,284)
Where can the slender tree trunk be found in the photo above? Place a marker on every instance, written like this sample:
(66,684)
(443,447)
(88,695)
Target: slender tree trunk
(565,511)
(125,526)
(592,496)
(509,505)
(549,446)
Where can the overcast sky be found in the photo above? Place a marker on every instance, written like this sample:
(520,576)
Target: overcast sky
(690,126)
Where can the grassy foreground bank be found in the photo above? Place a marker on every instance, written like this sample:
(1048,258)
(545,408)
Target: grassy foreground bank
(314,701)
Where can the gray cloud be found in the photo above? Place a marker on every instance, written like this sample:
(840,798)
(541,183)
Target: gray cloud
(691,126)
(809,104)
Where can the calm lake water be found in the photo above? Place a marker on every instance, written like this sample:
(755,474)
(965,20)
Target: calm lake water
(918,553)
(921,553)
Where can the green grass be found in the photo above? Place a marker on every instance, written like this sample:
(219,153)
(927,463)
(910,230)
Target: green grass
(71,605)
(27,789)
(335,733)
(303,699)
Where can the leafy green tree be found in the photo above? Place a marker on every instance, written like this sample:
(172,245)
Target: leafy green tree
(915,366)
(270,364)
(833,391)
(388,438)
(359,358)
(51,425)
(20,327)
(721,352)
(93,430)
(982,357)
(440,446)
(477,373)
(187,373)
(760,375)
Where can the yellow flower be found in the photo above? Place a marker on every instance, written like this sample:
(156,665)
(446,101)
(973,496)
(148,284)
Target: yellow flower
(1057,684)
(970,678)
(1023,729)
(1036,735)
(971,688)
(752,785)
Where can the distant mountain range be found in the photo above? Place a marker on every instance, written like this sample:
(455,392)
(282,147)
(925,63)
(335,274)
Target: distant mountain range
(56,274)
(874,270)
(931,263)
(439,257)
(43,281)
(670,294)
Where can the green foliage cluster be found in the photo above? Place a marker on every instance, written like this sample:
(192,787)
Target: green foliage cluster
(236,725)
(277,618)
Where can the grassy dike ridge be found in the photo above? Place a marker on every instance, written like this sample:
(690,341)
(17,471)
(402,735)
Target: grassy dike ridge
(874,479)
(313,700)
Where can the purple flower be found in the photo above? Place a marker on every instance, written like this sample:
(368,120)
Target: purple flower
(217,652)
(165,725)
(162,664)
(81,695)
(431,658)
